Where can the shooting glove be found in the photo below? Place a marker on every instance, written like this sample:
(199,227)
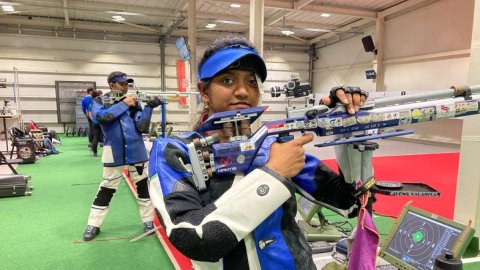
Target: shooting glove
(155,102)
(348,90)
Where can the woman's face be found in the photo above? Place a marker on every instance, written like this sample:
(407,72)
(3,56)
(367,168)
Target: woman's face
(231,90)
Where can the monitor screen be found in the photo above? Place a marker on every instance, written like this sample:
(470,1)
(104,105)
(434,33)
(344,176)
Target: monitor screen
(418,237)
(307,209)
(370,74)
(419,241)
(182,49)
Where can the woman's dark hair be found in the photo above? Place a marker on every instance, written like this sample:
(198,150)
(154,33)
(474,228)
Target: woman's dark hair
(224,42)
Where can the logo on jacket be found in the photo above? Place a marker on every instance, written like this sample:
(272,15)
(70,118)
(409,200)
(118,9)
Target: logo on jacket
(262,190)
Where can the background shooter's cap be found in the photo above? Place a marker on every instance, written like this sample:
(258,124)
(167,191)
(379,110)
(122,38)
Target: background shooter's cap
(118,77)
(236,57)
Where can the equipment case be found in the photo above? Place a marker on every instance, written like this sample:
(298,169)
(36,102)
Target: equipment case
(14,185)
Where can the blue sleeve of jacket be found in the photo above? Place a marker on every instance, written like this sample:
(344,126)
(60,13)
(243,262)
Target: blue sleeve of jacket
(327,186)
(106,115)
(142,118)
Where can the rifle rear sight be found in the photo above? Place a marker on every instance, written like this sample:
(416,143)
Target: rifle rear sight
(292,89)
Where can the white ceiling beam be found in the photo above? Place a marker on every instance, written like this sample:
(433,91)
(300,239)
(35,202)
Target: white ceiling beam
(341,11)
(312,7)
(103,7)
(226,11)
(65,13)
(59,24)
(298,24)
(277,16)
(301,3)
(326,36)
(281,13)
(118,28)
(210,35)
(100,7)
(405,7)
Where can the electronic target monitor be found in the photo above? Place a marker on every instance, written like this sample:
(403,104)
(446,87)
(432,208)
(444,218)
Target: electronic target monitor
(418,237)
(307,209)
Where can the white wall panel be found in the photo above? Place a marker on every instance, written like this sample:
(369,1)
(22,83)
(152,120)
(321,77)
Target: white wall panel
(420,53)
(40,61)
(430,75)
(343,64)
(102,46)
(59,55)
(440,27)
(282,57)
(69,66)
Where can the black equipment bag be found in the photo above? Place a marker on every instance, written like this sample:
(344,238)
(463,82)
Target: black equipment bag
(14,185)
(25,150)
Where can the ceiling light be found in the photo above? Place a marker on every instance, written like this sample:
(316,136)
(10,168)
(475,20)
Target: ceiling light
(235,5)
(118,18)
(125,13)
(230,22)
(8,8)
(325,15)
(288,32)
(317,30)
(210,25)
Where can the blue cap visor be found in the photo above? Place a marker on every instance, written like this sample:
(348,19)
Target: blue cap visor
(121,79)
(222,59)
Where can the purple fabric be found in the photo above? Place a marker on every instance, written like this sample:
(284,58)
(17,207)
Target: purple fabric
(365,244)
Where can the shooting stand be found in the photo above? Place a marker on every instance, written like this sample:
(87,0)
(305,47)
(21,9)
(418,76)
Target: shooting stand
(312,229)
(326,232)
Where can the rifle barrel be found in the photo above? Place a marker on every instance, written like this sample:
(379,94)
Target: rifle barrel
(440,94)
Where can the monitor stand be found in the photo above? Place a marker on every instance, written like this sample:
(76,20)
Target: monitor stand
(322,231)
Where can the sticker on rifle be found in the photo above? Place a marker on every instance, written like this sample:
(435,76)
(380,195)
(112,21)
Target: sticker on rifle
(416,114)
(405,114)
(466,107)
(311,124)
(423,114)
(460,108)
(322,122)
(376,117)
(445,110)
(247,146)
(241,159)
(258,134)
(349,121)
(334,122)
(391,116)
(363,119)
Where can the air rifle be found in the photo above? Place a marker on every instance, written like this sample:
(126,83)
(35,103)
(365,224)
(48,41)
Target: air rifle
(138,94)
(380,115)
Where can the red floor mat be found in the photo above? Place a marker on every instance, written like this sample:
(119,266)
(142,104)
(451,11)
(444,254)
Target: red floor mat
(179,261)
(439,171)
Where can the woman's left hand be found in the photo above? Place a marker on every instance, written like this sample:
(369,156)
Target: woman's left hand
(352,97)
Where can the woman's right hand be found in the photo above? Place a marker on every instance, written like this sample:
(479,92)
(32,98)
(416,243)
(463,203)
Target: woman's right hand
(288,159)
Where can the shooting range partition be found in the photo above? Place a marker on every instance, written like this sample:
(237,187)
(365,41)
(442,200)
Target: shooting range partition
(69,102)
